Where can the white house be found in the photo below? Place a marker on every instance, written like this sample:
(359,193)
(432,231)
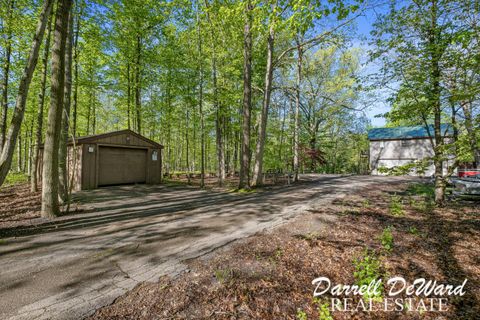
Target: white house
(400,146)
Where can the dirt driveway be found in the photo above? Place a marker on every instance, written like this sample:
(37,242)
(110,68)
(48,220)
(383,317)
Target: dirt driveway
(68,268)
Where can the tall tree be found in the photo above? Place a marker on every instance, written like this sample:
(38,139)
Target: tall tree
(22,94)
(200,100)
(41,103)
(63,151)
(6,71)
(418,34)
(247,98)
(50,175)
(262,128)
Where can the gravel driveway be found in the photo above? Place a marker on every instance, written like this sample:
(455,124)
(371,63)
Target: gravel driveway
(126,235)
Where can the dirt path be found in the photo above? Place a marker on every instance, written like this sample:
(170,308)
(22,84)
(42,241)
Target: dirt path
(127,235)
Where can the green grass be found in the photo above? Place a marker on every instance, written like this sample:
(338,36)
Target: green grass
(15,178)
(224,275)
(421,189)
(413,230)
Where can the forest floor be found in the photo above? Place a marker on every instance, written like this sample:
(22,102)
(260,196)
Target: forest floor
(391,229)
(18,205)
(121,236)
(21,207)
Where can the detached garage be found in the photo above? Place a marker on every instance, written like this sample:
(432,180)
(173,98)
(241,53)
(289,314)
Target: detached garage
(114,158)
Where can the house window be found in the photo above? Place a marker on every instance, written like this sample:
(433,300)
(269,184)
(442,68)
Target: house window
(154,155)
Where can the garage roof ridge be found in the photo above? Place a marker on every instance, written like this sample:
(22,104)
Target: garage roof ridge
(90,138)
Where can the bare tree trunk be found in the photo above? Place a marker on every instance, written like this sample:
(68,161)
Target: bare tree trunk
(41,102)
(200,105)
(19,152)
(50,206)
(78,4)
(262,129)
(6,74)
(138,91)
(218,124)
(436,106)
(128,95)
(19,111)
(247,99)
(94,112)
(220,117)
(297,113)
(63,152)
(28,157)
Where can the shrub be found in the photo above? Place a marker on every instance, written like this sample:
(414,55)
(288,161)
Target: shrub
(301,315)
(324,312)
(387,239)
(368,269)
(396,207)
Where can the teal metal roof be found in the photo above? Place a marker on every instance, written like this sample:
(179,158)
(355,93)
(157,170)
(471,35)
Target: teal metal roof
(406,132)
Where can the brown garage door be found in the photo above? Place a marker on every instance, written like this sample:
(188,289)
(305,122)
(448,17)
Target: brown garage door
(121,166)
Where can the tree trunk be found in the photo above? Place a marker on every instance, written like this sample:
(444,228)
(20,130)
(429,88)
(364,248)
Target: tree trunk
(50,206)
(6,74)
(435,74)
(262,129)
(218,123)
(19,111)
(297,113)
(138,92)
(75,68)
(200,105)
(63,151)
(41,102)
(128,95)
(247,99)
(19,152)
(30,150)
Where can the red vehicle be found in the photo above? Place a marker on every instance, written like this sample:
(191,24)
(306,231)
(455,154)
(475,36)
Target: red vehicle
(464,173)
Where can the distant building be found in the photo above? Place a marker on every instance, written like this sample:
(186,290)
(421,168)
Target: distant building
(404,146)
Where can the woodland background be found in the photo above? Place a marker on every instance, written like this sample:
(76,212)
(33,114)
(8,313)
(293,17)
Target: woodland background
(234,87)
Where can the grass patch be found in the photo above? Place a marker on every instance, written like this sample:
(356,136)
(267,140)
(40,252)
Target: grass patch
(224,275)
(421,189)
(15,178)
(414,231)
(3,242)
(396,206)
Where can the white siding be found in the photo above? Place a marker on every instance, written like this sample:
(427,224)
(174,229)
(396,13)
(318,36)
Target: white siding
(393,153)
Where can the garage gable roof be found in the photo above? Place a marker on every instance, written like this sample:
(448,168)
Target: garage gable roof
(93,138)
(402,133)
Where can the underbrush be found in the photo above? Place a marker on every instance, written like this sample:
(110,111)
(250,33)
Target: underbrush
(14,178)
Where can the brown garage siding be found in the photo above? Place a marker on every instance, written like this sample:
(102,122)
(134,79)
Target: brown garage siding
(88,174)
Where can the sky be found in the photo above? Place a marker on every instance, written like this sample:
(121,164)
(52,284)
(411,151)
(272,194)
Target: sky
(364,27)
